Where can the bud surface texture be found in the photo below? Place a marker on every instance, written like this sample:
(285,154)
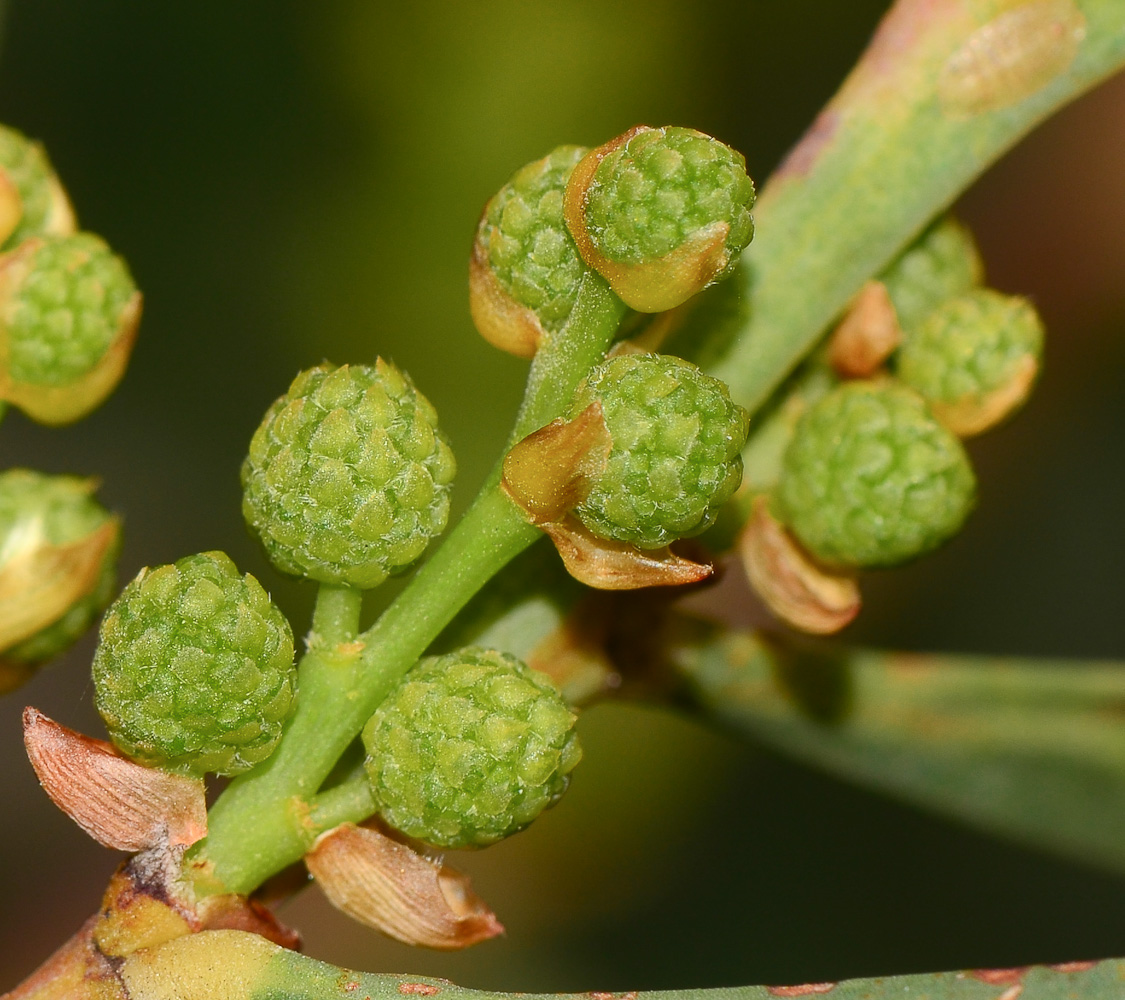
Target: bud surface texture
(529,248)
(870,478)
(469,748)
(348,477)
(194,670)
(971,346)
(64,304)
(942,263)
(661,187)
(676,455)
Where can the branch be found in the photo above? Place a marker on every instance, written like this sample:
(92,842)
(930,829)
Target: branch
(239,966)
(1027,748)
(944,88)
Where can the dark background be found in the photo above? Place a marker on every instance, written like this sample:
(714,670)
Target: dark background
(294,181)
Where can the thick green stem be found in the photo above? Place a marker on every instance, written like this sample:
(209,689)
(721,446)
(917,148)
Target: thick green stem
(262,821)
(925,111)
(237,966)
(1027,748)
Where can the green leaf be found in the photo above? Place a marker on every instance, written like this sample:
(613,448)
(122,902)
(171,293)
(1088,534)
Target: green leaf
(1031,749)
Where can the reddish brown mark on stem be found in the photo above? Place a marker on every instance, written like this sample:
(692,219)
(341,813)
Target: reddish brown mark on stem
(899,31)
(894,39)
(1072,966)
(1000,977)
(805,990)
(417,989)
(800,159)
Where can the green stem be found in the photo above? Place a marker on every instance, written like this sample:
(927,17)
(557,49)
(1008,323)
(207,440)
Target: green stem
(895,146)
(564,360)
(1026,748)
(349,802)
(336,614)
(240,966)
(262,822)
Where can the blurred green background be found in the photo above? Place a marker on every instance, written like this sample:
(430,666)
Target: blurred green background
(295,181)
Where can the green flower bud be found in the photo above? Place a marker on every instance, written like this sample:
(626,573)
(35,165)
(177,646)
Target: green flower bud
(469,749)
(942,263)
(661,213)
(348,477)
(871,479)
(194,670)
(525,268)
(68,317)
(974,359)
(676,449)
(58,548)
(32,201)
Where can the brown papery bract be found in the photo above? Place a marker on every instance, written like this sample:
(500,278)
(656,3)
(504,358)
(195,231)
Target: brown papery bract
(387,885)
(795,588)
(608,565)
(120,803)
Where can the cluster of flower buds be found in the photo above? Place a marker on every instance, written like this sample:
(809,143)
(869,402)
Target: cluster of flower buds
(68,307)
(873,472)
(650,448)
(659,213)
(68,317)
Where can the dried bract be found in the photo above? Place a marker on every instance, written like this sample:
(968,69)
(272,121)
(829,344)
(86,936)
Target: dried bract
(386,885)
(121,804)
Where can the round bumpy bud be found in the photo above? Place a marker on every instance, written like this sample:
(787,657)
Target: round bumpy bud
(661,213)
(676,449)
(58,548)
(469,749)
(942,263)
(348,477)
(32,201)
(974,359)
(525,269)
(194,669)
(68,317)
(870,478)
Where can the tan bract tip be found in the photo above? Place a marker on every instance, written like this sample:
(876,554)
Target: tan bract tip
(60,219)
(119,803)
(384,884)
(608,565)
(499,318)
(794,587)
(39,582)
(867,335)
(11,206)
(977,414)
(548,472)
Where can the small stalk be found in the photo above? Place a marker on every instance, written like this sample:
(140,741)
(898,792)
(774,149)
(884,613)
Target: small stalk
(336,614)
